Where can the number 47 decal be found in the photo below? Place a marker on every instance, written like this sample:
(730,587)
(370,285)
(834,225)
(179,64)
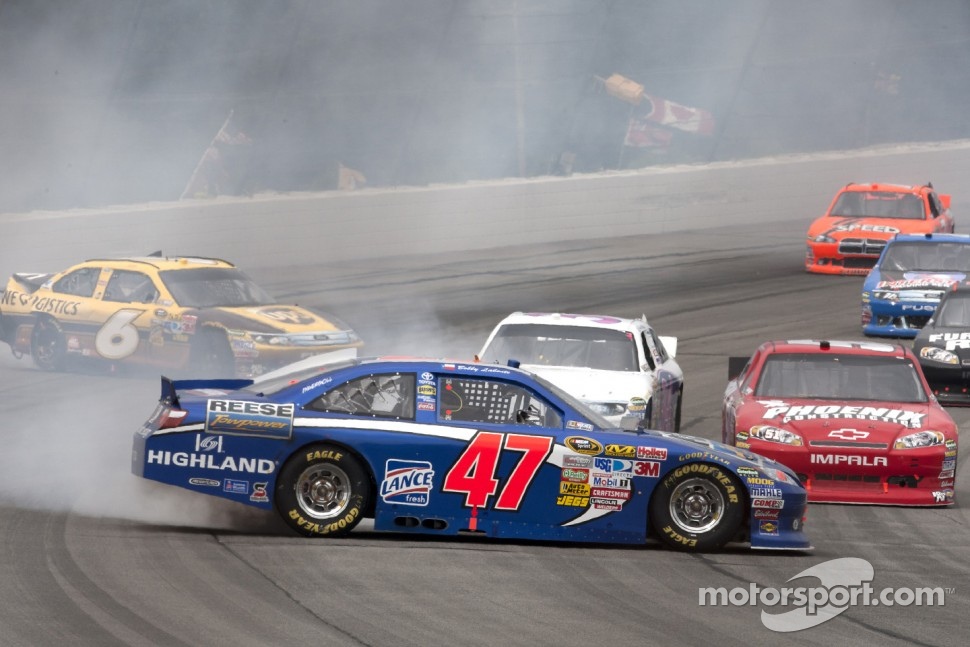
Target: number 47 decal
(473,474)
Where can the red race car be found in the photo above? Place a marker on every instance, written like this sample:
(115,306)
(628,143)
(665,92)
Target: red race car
(862,217)
(855,420)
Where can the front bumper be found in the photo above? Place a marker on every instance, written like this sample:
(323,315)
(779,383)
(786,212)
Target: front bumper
(780,529)
(881,318)
(825,258)
(909,477)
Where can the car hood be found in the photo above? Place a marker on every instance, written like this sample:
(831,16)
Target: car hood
(840,423)
(914,280)
(688,446)
(271,319)
(840,227)
(955,339)
(593,385)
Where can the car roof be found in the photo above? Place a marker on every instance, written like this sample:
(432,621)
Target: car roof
(930,238)
(582,320)
(163,263)
(887,187)
(381,364)
(842,347)
(456,366)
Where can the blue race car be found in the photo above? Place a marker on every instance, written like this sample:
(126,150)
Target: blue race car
(913,272)
(430,447)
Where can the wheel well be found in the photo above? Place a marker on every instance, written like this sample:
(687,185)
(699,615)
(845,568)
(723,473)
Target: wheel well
(212,329)
(42,317)
(742,492)
(369,508)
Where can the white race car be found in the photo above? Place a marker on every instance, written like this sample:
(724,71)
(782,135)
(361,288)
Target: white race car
(619,367)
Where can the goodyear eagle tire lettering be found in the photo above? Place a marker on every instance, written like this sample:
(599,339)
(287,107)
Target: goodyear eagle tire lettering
(697,507)
(322,491)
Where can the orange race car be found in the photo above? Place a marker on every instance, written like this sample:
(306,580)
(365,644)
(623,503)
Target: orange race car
(850,236)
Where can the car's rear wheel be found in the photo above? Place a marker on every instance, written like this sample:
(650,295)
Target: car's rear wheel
(47,345)
(211,354)
(698,507)
(322,491)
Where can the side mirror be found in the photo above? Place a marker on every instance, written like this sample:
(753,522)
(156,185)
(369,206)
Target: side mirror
(735,366)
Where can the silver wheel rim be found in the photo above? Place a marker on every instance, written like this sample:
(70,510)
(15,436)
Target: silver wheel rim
(696,505)
(323,491)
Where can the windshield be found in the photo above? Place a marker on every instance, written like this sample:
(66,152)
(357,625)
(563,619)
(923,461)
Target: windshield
(573,346)
(214,287)
(927,256)
(878,204)
(840,377)
(954,312)
(576,404)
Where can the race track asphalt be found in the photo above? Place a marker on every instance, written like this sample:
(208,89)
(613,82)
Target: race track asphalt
(90,555)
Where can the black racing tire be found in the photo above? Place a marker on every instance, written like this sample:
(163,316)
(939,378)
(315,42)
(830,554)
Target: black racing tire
(697,507)
(48,347)
(211,355)
(323,491)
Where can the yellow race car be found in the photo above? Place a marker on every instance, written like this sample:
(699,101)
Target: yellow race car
(172,313)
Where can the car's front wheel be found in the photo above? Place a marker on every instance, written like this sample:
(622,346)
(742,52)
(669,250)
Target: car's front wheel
(322,491)
(47,345)
(697,507)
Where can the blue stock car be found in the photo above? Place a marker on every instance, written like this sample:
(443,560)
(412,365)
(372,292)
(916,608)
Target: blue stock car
(437,448)
(913,272)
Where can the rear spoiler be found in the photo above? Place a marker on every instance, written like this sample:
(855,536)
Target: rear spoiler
(736,365)
(170,387)
(670,344)
(31,281)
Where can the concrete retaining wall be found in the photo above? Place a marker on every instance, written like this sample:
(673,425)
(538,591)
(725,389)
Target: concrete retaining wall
(281,230)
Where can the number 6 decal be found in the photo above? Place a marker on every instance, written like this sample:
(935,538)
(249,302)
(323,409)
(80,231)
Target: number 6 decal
(473,474)
(118,338)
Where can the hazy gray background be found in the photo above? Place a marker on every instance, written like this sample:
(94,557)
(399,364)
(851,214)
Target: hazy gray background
(115,101)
